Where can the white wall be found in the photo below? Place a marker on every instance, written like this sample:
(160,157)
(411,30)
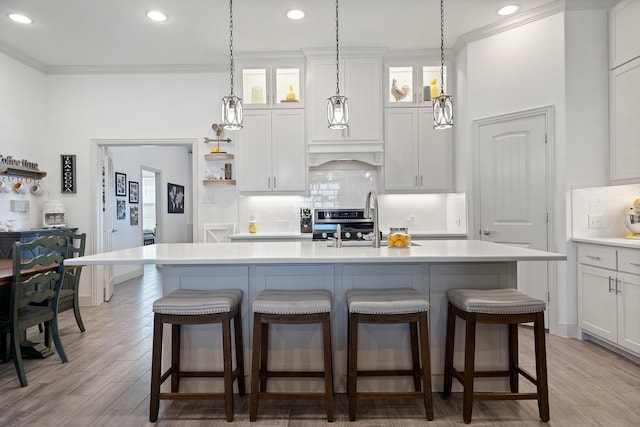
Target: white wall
(23,133)
(560,61)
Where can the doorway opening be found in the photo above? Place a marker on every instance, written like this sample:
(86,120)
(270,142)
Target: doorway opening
(151,180)
(103,225)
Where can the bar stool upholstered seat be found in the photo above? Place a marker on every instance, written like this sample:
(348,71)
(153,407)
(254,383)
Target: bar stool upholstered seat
(389,306)
(196,307)
(496,306)
(273,306)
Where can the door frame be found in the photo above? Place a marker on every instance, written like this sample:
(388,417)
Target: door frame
(474,218)
(97,274)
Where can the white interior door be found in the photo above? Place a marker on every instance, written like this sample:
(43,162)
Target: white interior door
(108,218)
(513,192)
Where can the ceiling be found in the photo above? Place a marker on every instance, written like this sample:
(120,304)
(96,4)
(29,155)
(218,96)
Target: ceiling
(116,33)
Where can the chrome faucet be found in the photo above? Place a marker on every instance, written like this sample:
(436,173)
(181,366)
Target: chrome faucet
(367,213)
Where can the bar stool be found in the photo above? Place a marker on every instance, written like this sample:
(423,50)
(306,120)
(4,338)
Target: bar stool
(387,306)
(194,307)
(496,306)
(289,307)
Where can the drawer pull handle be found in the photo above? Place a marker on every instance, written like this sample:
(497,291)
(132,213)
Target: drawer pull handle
(635,263)
(593,257)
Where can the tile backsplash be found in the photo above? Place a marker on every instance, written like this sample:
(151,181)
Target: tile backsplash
(345,185)
(598,211)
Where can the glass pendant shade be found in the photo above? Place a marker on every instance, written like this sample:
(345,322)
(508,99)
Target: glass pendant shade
(443,112)
(232,112)
(338,112)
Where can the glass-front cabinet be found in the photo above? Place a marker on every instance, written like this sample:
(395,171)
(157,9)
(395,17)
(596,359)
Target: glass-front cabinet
(271,86)
(409,85)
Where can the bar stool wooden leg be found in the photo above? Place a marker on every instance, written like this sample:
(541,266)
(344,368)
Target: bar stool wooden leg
(264,357)
(448,353)
(469,367)
(175,358)
(328,366)
(255,363)
(513,358)
(228,369)
(156,360)
(239,342)
(415,356)
(541,367)
(353,366)
(426,365)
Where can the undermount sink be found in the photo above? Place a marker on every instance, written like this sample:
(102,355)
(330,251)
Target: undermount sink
(362,243)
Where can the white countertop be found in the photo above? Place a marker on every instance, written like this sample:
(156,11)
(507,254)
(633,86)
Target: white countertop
(313,253)
(610,241)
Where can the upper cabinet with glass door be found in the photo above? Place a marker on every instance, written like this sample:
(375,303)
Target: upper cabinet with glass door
(271,86)
(410,85)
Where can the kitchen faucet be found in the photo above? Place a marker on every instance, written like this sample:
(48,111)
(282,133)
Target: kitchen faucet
(368,214)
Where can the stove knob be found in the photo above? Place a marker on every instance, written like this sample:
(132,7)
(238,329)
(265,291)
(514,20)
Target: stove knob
(335,235)
(359,235)
(347,235)
(324,235)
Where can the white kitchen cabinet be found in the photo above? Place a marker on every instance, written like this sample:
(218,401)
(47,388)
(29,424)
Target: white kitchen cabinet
(624,32)
(609,294)
(625,126)
(412,85)
(359,82)
(417,157)
(267,86)
(271,151)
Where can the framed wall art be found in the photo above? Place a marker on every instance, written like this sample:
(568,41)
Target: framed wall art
(175,198)
(121,209)
(134,192)
(133,215)
(121,184)
(68,165)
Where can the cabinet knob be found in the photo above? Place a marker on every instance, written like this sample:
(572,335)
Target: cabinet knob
(487,232)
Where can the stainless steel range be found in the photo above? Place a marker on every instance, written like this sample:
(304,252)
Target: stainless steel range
(353,224)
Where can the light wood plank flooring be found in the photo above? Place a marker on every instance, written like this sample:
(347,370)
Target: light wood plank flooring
(106,383)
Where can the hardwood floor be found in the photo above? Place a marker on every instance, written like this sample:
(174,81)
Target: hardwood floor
(106,383)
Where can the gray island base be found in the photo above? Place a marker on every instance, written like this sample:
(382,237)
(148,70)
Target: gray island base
(431,268)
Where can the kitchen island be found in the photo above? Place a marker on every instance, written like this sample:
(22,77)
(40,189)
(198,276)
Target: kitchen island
(431,268)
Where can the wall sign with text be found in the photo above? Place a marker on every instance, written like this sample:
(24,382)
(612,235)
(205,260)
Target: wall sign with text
(68,164)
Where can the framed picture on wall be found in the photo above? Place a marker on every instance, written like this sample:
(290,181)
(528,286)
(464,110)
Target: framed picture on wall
(121,184)
(134,192)
(121,207)
(175,198)
(133,215)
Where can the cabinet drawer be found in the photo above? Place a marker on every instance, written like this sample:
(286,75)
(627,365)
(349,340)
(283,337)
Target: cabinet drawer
(598,256)
(629,261)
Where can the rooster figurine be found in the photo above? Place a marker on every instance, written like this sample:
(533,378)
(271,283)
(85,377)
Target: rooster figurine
(399,94)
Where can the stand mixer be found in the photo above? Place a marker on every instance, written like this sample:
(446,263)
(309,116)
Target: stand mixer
(632,220)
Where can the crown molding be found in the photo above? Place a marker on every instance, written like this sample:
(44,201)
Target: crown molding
(524,18)
(138,69)
(22,58)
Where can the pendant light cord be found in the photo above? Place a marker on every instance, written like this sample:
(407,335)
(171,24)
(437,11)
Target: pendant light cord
(231,42)
(441,47)
(337,54)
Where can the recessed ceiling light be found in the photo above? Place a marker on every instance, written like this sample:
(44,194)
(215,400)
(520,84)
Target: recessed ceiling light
(508,9)
(295,14)
(21,19)
(156,15)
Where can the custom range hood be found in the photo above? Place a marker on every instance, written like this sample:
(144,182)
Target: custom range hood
(371,153)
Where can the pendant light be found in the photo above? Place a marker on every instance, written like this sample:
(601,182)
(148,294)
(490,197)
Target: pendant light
(442,105)
(231,105)
(337,107)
